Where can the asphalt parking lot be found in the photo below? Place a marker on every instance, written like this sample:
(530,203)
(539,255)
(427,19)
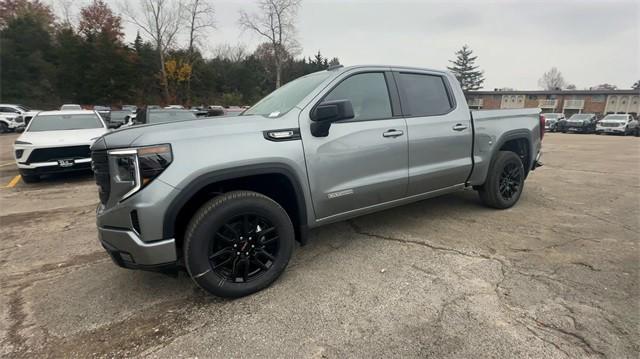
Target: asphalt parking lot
(555,276)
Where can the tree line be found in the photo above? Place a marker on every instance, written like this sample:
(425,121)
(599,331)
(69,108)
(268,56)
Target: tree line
(46,61)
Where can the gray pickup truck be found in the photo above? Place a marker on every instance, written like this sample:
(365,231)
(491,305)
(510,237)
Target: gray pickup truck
(226,198)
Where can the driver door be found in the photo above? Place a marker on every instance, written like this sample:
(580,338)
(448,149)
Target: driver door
(363,161)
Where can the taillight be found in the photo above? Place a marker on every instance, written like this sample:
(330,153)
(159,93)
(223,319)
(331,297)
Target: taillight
(542,121)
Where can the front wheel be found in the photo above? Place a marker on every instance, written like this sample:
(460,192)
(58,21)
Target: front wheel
(505,181)
(3,127)
(238,243)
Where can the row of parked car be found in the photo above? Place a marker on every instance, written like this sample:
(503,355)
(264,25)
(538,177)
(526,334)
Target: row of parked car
(59,141)
(15,117)
(621,124)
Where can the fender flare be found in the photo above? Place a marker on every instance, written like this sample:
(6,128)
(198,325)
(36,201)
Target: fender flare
(515,135)
(200,182)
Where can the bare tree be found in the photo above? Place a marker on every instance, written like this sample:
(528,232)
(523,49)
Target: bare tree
(160,20)
(64,7)
(199,17)
(604,87)
(234,53)
(276,23)
(552,80)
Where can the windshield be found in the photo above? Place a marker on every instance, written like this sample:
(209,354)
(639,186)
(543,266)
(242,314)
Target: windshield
(580,117)
(616,117)
(551,116)
(64,122)
(170,116)
(24,108)
(286,97)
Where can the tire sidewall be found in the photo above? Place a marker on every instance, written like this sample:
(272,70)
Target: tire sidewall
(504,159)
(211,218)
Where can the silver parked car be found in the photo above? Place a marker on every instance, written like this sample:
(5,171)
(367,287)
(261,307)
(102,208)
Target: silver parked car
(551,121)
(621,124)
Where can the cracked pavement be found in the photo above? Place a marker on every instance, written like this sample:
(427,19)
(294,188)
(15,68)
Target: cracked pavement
(556,276)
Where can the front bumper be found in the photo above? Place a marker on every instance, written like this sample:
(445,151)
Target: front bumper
(582,129)
(128,251)
(610,129)
(43,168)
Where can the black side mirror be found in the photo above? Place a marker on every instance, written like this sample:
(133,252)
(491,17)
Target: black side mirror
(326,113)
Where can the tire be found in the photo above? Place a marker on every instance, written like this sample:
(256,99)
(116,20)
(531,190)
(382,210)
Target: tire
(232,230)
(3,127)
(30,178)
(513,178)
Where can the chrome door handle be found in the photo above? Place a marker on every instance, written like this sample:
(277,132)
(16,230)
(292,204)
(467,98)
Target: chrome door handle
(393,133)
(459,127)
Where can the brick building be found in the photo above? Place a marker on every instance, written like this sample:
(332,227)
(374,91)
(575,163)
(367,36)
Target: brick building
(600,102)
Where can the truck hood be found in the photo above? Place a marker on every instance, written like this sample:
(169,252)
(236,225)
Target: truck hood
(181,130)
(62,138)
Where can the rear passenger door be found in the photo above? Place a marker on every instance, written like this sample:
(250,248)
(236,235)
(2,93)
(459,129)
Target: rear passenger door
(439,130)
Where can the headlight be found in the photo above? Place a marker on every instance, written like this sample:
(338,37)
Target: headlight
(134,168)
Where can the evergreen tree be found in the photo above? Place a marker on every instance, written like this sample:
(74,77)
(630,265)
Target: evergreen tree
(27,73)
(466,72)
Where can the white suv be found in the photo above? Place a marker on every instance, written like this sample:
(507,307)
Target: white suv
(57,141)
(623,124)
(14,116)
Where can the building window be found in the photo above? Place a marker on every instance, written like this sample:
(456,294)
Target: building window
(597,98)
(531,97)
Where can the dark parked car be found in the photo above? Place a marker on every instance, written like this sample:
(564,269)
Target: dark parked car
(551,121)
(119,117)
(580,122)
(148,116)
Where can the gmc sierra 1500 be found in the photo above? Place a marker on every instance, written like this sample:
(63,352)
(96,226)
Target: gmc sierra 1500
(227,198)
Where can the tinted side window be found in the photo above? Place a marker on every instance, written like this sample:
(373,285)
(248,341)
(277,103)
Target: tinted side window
(424,95)
(368,94)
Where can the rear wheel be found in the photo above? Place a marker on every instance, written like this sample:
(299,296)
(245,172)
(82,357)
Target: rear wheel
(238,243)
(505,181)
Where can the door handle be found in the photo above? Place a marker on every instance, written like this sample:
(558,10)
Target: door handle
(393,133)
(459,127)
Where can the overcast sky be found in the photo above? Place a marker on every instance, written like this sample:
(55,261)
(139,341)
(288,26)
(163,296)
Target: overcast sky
(590,42)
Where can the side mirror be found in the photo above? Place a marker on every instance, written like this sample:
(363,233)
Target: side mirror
(326,113)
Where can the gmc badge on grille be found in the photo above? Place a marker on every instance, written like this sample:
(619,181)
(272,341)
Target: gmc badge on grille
(65,163)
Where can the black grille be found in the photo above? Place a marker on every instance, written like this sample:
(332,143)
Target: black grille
(58,153)
(100,166)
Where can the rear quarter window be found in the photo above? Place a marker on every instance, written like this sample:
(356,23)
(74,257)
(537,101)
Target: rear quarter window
(424,95)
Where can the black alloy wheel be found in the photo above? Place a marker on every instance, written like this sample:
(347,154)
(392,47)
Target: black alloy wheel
(510,180)
(238,243)
(505,181)
(244,248)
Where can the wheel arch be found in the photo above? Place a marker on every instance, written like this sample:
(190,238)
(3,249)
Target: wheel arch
(259,178)
(519,142)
